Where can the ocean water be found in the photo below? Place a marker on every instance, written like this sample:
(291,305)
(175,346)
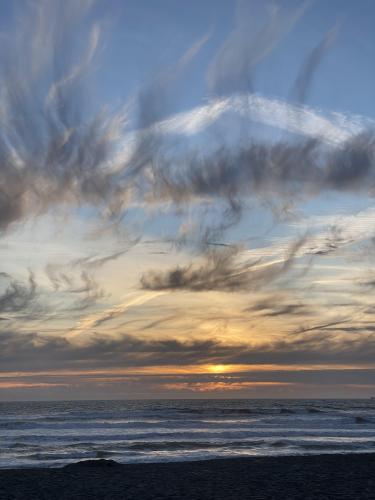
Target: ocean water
(52,434)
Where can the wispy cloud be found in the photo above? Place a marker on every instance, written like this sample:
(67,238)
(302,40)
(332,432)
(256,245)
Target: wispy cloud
(332,128)
(17,296)
(220,270)
(89,323)
(312,62)
(250,42)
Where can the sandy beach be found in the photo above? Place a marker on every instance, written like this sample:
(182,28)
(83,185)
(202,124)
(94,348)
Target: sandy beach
(306,477)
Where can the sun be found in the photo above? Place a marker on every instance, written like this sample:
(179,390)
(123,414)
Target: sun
(218,368)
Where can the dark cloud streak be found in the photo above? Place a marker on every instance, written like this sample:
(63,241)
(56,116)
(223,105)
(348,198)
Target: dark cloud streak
(35,352)
(17,297)
(309,68)
(222,270)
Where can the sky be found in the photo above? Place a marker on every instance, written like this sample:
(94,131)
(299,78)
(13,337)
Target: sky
(187,199)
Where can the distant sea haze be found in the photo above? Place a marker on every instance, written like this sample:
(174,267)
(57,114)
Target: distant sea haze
(52,434)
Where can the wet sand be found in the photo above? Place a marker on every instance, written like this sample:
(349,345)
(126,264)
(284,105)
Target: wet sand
(310,477)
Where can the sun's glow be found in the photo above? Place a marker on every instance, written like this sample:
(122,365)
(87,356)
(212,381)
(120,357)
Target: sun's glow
(219,368)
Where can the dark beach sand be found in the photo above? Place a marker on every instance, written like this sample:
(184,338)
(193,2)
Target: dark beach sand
(313,477)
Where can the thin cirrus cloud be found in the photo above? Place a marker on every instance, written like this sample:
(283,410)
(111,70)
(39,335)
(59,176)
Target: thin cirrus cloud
(332,128)
(221,270)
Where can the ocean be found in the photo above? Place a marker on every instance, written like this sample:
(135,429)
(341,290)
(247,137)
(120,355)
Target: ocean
(52,434)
